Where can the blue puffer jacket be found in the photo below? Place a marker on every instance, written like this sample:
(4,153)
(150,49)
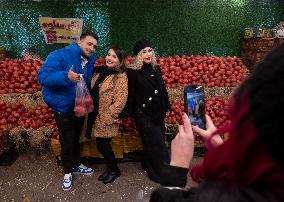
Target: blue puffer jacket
(57,90)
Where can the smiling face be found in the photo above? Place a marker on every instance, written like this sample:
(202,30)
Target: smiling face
(88,46)
(147,55)
(112,60)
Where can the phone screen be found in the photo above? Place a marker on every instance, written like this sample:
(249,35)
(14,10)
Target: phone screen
(195,105)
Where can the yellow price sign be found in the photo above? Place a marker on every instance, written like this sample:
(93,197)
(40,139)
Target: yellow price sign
(61,30)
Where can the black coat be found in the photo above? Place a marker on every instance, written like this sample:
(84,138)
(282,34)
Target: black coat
(146,91)
(208,191)
(217,192)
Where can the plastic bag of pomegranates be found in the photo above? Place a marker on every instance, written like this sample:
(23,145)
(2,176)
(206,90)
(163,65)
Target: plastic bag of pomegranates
(83,100)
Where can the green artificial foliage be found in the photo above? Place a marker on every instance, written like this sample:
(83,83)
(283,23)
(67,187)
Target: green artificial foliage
(173,26)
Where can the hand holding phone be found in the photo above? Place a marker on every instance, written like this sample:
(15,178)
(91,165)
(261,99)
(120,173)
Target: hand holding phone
(182,145)
(206,134)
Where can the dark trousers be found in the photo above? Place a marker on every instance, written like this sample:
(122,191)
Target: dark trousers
(70,128)
(156,154)
(104,147)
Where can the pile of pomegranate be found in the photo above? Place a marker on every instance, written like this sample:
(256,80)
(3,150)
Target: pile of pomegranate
(19,76)
(208,71)
(14,115)
(83,105)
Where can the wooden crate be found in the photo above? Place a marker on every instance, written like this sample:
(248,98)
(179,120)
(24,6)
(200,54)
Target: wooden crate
(253,50)
(120,144)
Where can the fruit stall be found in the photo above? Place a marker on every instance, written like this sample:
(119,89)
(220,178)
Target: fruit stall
(219,75)
(191,27)
(25,119)
(29,122)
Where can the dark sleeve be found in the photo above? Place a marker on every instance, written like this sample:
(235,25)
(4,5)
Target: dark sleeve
(128,109)
(172,176)
(222,191)
(166,195)
(209,191)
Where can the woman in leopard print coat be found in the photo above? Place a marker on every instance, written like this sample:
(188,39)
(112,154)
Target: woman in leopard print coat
(109,92)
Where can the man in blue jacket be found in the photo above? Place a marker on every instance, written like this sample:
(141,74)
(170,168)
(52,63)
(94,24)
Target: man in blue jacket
(58,76)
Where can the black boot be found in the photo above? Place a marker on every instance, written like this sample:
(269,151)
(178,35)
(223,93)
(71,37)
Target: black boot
(112,175)
(103,175)
(104,147)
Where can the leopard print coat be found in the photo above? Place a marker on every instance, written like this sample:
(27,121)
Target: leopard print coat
(113,96)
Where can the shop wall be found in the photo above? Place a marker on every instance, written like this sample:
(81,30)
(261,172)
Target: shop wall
(173,26)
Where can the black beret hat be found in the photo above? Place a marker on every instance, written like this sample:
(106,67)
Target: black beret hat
(139,45)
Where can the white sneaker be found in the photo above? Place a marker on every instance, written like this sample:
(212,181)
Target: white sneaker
(67,182)
(83,170)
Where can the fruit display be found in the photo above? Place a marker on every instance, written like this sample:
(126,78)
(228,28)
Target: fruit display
(33,117)
(17,119)
(208,71)
(22,109)
(24,116)
(128,126)
(219,76)
(19,76)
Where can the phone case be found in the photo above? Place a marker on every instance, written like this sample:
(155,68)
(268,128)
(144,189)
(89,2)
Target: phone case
(194,104)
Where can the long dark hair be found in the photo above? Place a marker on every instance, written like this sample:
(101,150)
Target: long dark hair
(121,55)
(253,154)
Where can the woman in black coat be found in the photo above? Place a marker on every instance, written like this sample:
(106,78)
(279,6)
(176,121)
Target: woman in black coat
(249,166)
(148,103)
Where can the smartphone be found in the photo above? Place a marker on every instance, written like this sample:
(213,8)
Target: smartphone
(194,105)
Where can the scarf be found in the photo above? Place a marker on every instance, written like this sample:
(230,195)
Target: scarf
(103,73)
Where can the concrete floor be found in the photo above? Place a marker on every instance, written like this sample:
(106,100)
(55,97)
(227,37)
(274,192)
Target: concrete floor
(35,177)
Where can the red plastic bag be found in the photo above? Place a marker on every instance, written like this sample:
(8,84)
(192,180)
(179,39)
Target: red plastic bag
(83,101)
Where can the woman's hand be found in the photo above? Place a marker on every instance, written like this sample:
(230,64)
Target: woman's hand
(205,134)
(182,145)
